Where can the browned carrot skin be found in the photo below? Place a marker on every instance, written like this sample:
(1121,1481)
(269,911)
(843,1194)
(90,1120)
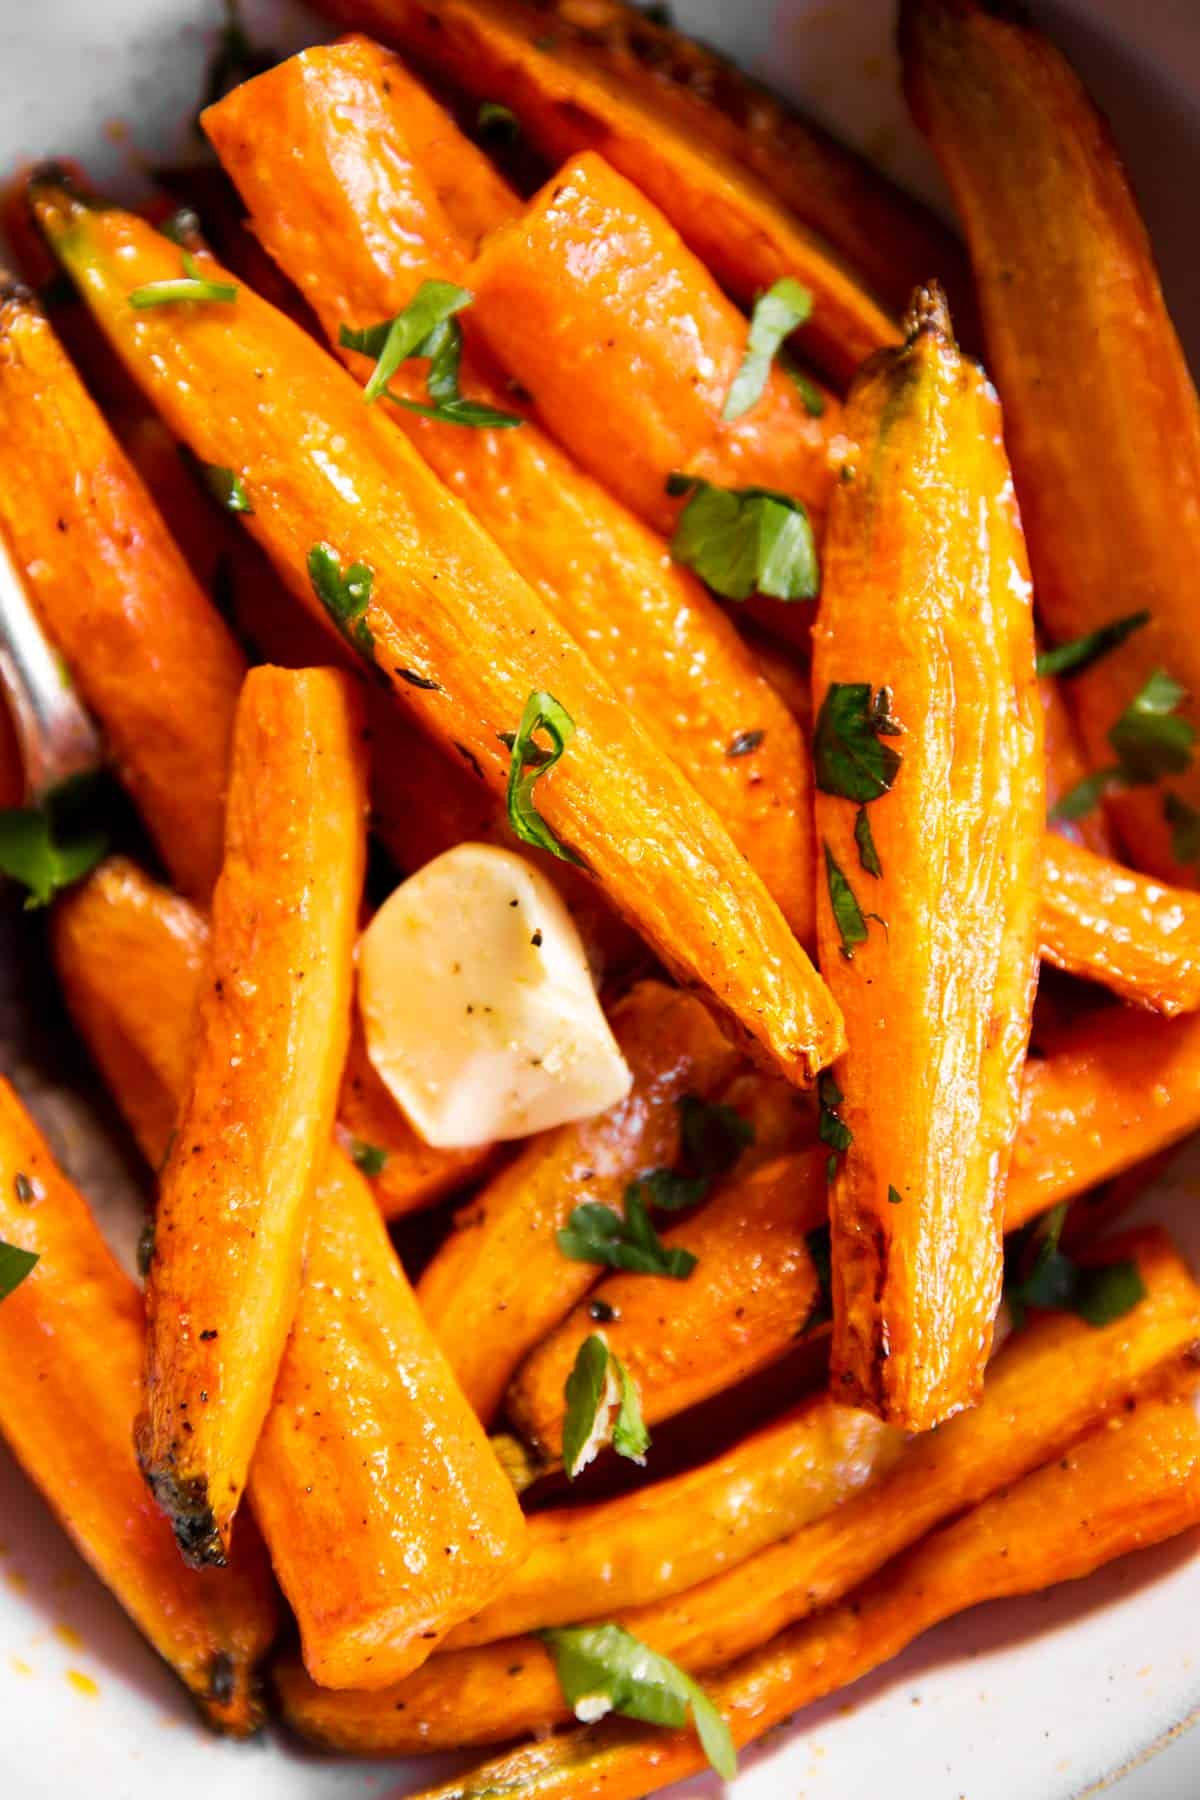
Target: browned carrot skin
(582,85)
(151,658)
(926,594)
(448,607)
(71,1341)
(236,1194)
(741,1307)
(499,1283)
(1100,412)
(358,231)
(1057,1378)
(1118,1490)
(630,356)
(1138,937)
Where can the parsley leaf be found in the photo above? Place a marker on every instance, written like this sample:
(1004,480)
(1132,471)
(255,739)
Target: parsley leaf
(831,1128)
(775,316)
(529,762)
(1039,1273)
(602,1403)
(227,487)
(51,846)
(15,1265)
(805,386)
(191,285)
(744,541)
(821,1255)
(1085,796)
(1184,821)
(1149,738)
(847,913)
(850,757)
(345,597)
(713,1136)
(425,327)
(670,1191)
(370,1158)
(1081,652)
(497,121)
(596,1234)
(604,1668)
(868,855)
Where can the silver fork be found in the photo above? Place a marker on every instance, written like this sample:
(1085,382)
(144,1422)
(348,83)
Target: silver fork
(57,739)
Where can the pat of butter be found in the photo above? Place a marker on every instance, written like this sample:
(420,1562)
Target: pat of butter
(478,1005)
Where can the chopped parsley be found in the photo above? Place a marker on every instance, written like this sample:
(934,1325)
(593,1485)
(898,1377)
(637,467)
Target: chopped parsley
(529,762)
(1150,739)
(1081,652)
(227,487)
(370,1158)
(15,1265)
(426,327)
(191,285)
(345,597)
(50,847)
(743,541)
(831,1127)
(1184,821)
(820,1252)
(776,315)
(851,758)
(596,1234)
(1039,1273)
(848,915)
(602,1406)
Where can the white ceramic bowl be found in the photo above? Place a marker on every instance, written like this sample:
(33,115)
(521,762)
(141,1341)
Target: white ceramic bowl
(1034,1700)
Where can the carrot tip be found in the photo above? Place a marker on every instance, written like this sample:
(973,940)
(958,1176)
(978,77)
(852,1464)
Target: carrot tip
(928,311)
(185,1503)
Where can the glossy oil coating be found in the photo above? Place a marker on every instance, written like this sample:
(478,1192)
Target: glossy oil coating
(741,1307)
(247,389)
(1053,1381)
(358,227)
(1138,937)
(499,1282)
(595,304)
(235,1197)
(151,658)
(1100,413)
(1132,1484)
(699,140)
(926,594)
(71,1341)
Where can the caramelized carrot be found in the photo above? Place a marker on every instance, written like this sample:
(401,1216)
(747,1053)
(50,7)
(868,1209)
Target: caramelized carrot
(1120,1489)
(1141,939)
(236,1193)
(1100,412)
(1066,767)
(499,1283)
(741,1307)
(150,657)
(320,467)
(630,355)
(926,607)
(1051,1382)
(586,1561)
(358,228)
(370,1462)
(71,1341)
(740,190)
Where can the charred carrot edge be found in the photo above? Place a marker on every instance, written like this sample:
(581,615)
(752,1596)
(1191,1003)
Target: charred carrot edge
(439,585)
(357,229)
(499,1282)
(1100,412)
(71,1339)
(753,1286)
(1141,939)
(235,1198)
(587,1561)
(150,656)
(941,973)
(577,90)
(370,1461)
(570,327)
(1117,1491)
(1057,1378)
(1066,767)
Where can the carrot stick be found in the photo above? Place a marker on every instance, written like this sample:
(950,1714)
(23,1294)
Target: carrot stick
(1100,412)
(71,1341)
(1117,1491)
(500,1282)
(923,669)
(741,1307)
(1054,1380)
(152,660)
(447,607)
(358,227)
(630,356)
(1110,924)
(236,1193)
(726,183)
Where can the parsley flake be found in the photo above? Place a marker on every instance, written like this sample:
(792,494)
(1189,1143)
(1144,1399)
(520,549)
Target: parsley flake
(1081,652)
(776,315)
(850,756)
(743,541)
(345,597)
(848,915)
(372,1159)
(529,762)
(191,285)
(820,1251)
(1184,821)
(50,847)
(1039,1273)
(426,327)
(1150,740)
(15,1265)
(227,487)
(596,1234)
(602,1406)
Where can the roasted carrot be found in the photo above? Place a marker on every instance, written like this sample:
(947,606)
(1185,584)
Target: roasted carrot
(741,1307)
(1066,767)
(1100,412)
(370,1461)
(499,1283)
(12,769)
(1139,938)
(152,660)
(236,1193)
(923,665)
(1054,1380)
(445,606)
(358,231)
(630,355)
(586,1561)
(577,85)
(71,1341)
(1118,1490)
